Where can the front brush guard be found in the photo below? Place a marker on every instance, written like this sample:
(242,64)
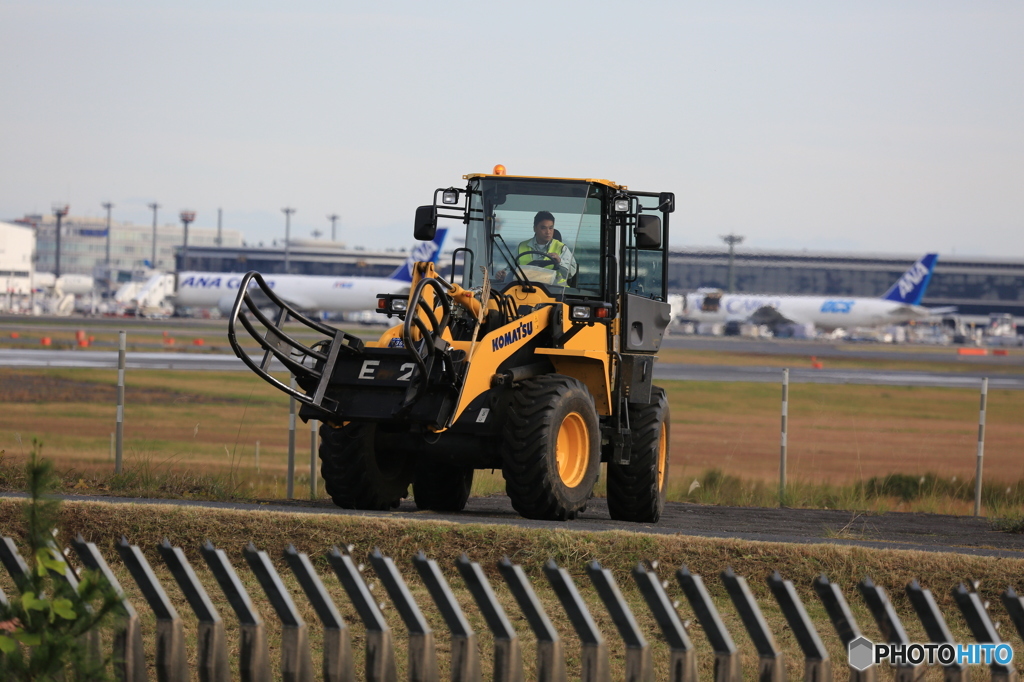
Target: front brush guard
(311,365)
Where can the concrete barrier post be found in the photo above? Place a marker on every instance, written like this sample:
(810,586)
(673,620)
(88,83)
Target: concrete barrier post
(380,651)
(935,627)
(465,656)
(727,657)
(976,614)
(313,433)
(422,648)
(593,649)
(291,442)
(682,657)
(211,638)
(817,664)
(889,625)
(171,661)
(772,664)
(845,624)
(337,662)
(981,447)
(550,651)
(122,345)
(639,664)
(508,658)
(296,662)
(253,651)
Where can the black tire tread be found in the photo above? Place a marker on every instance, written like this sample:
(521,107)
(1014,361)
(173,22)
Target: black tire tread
(442,488)
(633,493)
(351,479)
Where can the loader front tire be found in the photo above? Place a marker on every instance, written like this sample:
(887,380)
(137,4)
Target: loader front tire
(551,449)
(442,488)
(357,475)
(636,491)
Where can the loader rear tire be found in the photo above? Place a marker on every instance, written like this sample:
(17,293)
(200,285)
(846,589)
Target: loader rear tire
(551,448)
(356,475)
(442,488)
(636,491)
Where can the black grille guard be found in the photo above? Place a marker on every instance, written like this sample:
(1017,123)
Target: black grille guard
(311,365)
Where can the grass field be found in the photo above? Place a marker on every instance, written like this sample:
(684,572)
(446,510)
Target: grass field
(146,525)
(184,425)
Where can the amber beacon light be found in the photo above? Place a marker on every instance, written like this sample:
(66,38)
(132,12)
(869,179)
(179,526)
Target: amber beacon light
(499,170)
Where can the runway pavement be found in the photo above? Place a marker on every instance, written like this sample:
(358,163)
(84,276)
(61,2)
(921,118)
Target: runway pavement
(24,358)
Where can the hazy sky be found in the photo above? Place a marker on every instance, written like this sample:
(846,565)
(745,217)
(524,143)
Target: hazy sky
(881,126)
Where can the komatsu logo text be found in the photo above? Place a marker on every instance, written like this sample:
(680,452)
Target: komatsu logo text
(510,337)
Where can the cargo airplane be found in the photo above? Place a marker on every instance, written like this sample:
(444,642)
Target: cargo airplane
(306,292)
(901,303)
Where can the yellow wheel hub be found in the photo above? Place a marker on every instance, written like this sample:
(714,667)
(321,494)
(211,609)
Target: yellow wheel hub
(662,457)
(572,449)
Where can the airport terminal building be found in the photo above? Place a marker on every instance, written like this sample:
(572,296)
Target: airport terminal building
(975,285)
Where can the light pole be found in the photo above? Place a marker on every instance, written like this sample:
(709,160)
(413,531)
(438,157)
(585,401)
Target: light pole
(732,240)
(59,211)
(186,218)
(334,220)
(152,261)
(287,237)
(107,205)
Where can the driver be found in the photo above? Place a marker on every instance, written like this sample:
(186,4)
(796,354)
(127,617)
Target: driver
(544,251)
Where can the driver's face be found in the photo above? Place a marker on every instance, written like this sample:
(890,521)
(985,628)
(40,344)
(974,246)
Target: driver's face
(544,231)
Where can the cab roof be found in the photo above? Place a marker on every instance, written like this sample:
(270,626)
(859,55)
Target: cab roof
(608,183)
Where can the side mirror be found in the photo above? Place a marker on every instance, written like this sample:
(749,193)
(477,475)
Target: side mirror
(667,202)
(426,223)
(648,232)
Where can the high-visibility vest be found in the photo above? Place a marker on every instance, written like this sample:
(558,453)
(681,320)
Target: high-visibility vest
(554,246)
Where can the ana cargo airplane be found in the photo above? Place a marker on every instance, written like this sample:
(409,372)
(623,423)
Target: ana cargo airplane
(307,292)
(901,303)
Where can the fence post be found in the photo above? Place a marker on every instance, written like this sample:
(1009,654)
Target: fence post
(91,639)
(171,661)
(508,659)
(1015,607)
(253,652)
(984,632)
(257,457)
(784,442)
(889,625)
(337,663)
(639,664)
(313,424)
(550,652)
(935,627)
(211,639)
(129,654)
(14,563)
(296,663)
(465,657)
(593,649)
(845,624)
(772,664)
(291,442)
(422,648)
(727,658)
(981,447)
(682,657)
(380,651)
(122,346)
(817,664)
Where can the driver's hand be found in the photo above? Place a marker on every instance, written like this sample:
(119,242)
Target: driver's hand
(555,257)
(499,275)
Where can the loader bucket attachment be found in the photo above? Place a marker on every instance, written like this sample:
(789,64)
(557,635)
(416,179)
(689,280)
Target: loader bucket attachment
(312,365)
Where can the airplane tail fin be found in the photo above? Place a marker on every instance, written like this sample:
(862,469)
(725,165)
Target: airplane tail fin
(423,251)
(911,286)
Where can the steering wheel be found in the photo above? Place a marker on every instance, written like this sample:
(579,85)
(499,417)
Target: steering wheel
(545,254)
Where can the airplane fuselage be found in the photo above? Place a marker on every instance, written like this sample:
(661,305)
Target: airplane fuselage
(824,312)
(309,292)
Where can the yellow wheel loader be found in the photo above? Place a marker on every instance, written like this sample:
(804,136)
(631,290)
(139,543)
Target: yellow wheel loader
(534,356)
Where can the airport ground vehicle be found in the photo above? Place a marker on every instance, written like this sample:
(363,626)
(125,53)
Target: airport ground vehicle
(539,372)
